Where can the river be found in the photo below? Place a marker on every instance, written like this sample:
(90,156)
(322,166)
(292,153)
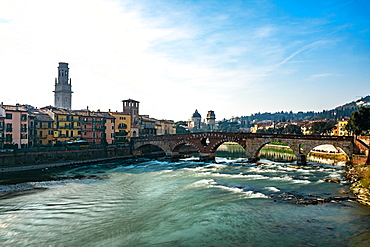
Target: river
(147,202)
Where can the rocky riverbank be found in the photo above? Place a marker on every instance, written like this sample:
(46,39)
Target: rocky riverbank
(359,176)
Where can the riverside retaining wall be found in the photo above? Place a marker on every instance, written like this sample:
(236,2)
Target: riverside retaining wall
(23,158)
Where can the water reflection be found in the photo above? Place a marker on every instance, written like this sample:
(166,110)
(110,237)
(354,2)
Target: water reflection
(231,150)
(328,158)
(277,155)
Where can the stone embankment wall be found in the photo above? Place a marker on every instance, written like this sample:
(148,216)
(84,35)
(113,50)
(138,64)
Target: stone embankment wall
(358,173)
(24,159)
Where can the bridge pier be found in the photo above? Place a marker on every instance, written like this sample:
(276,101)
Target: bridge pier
(301,159)
(207,156)
(253,159)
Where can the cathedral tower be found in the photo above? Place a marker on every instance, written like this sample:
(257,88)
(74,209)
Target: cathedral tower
(63,88)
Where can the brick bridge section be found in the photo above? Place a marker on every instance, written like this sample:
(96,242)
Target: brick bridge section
(206,143)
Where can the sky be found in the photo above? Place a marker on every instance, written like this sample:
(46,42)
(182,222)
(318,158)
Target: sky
(235,57)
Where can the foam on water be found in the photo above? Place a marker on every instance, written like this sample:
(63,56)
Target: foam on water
(273,189)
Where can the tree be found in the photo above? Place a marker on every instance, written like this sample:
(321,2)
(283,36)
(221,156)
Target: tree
(323,127)
(180,129)
(228,126)
(359,123)
(292,129)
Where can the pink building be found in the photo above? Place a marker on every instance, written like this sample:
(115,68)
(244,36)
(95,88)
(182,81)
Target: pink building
(2,118)
(15,126)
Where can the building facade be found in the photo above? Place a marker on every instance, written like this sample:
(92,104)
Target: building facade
(63,88)
(131,107)
(165,127)
(122,127)
(2,126)
(40,127)
(92,126)
(147,126)
(16,126)
(66,124)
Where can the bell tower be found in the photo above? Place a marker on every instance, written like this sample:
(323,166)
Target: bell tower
(63,88)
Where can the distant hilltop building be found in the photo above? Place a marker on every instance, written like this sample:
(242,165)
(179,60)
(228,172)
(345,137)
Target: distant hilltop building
(63,88)
(195,122)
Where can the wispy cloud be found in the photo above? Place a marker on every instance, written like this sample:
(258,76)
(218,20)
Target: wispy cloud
(324,75)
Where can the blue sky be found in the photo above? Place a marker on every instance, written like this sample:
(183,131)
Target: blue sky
(233,57)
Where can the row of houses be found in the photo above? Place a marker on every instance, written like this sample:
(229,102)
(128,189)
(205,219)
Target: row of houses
(24,126)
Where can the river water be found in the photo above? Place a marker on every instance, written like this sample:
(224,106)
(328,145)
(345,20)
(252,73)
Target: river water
(185,203)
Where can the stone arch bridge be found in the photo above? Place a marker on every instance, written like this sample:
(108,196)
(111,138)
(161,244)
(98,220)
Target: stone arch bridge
(206,143)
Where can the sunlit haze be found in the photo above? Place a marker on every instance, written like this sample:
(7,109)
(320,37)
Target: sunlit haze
(233,57)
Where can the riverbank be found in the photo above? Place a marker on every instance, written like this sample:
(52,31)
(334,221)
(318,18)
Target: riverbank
(359,177)
(27,167)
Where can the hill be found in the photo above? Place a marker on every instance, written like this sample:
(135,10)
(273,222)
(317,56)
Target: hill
(337,113)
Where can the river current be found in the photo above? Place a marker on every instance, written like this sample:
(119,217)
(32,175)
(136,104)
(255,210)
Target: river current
(185,203)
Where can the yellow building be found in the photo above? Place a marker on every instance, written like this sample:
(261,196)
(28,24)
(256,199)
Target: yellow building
(40,127)
(67,125)
(340,128)
(165,127)
(122,126)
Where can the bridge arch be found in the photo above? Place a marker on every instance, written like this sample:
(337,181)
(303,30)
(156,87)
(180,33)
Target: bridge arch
(149,149)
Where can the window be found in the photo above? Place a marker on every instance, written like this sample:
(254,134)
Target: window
(9,127)
(122,126)
(24,128)
(9,116)
(23,117)
(23,136)
(9,138)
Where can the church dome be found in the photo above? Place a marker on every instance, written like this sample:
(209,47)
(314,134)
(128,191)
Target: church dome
(196,114)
